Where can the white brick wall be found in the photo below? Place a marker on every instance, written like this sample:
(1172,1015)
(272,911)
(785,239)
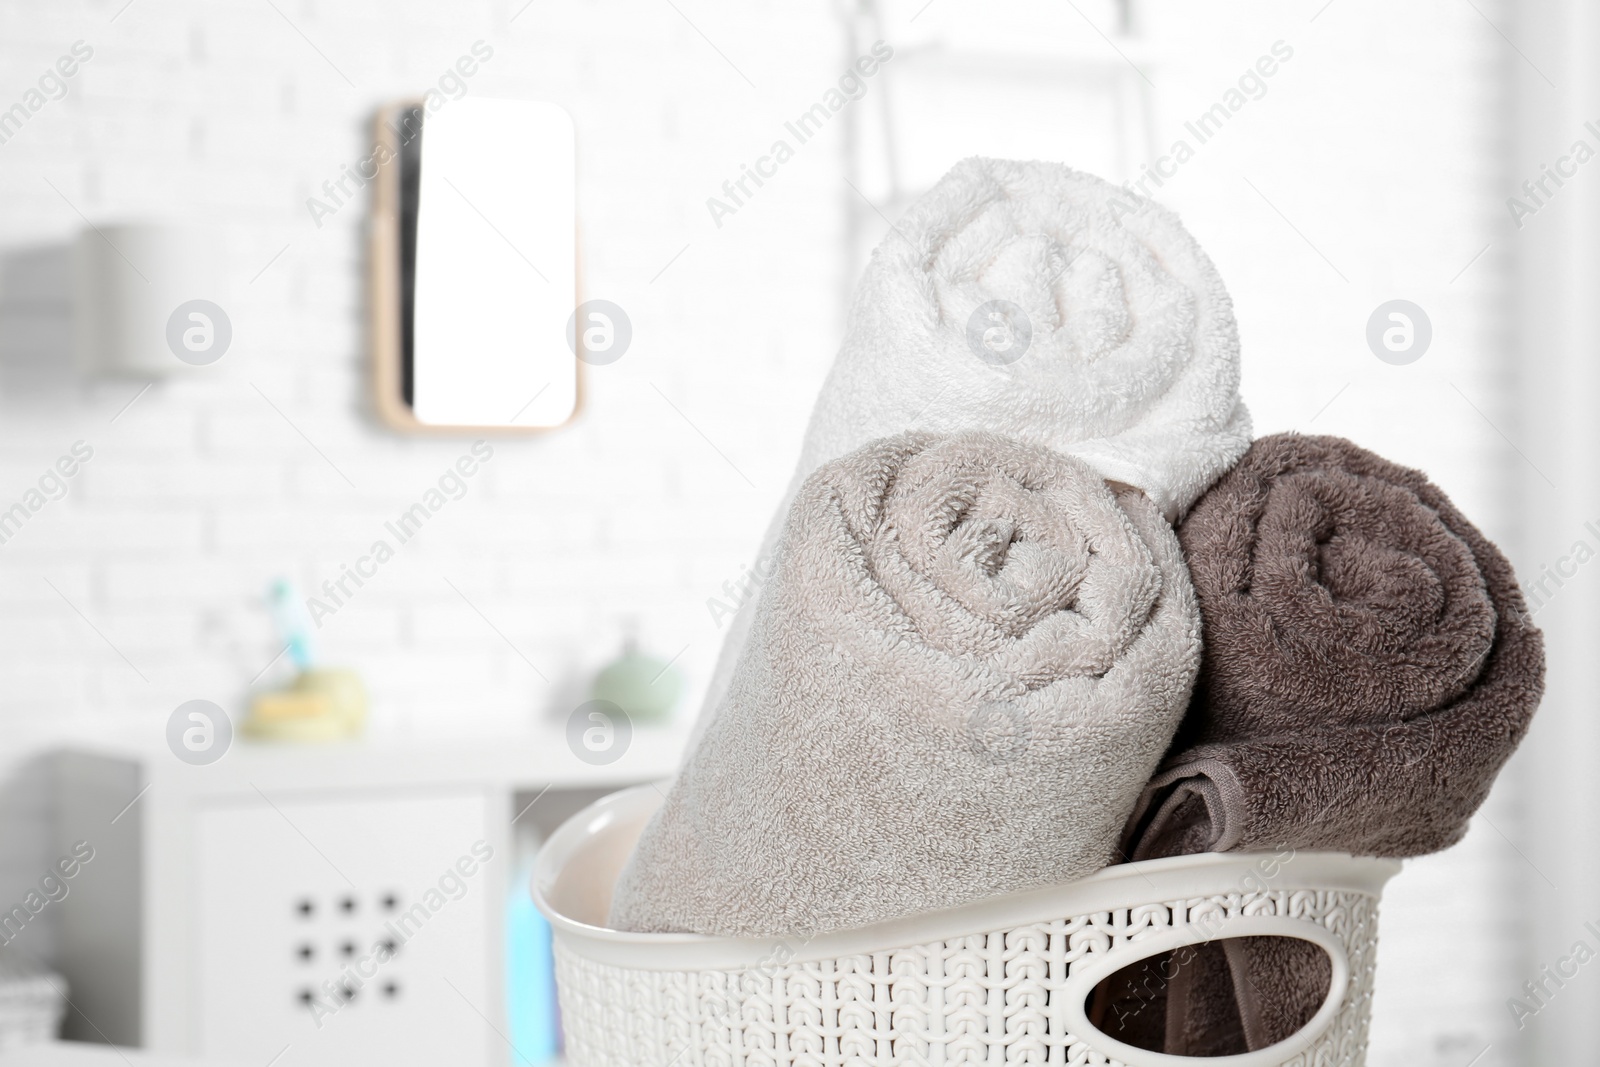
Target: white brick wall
(219,112)
(1380,140)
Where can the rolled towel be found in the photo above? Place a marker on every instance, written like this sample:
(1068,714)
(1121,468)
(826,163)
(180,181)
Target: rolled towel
(969,659)
(1035,301)
(1369,662)
(1369,666)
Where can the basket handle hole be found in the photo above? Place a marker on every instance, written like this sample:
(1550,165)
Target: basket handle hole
(1216,998)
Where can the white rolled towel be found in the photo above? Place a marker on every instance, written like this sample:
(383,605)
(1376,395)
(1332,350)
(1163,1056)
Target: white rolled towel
(1036,301)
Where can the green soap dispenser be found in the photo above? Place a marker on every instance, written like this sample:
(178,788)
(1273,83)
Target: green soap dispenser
(641,685)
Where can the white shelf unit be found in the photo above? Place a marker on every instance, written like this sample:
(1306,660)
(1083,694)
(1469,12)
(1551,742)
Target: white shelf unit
(220,897)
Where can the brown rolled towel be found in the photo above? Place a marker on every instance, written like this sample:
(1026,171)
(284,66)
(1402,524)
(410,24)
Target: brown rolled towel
(1369,666)
(967,664)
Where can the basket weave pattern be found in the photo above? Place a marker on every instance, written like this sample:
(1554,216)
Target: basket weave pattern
(983,999)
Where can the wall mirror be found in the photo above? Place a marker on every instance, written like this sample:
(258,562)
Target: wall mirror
(474,265)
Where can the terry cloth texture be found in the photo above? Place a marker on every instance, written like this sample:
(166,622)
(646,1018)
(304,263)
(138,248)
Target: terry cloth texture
(967,663)
(1051,306)
(1369,666)
(1204,999)
(1369,662)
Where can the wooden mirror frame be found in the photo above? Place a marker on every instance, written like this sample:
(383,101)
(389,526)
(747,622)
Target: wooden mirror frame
(384,298)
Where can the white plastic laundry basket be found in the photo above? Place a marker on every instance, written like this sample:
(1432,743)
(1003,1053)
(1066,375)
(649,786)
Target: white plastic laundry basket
(1000,981)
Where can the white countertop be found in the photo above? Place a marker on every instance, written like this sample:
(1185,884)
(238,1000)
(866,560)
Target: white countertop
(532,759)
(74,1054)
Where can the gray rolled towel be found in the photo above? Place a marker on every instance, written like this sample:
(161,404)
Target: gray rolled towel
(967,663)
(1369,667)
(1369,662)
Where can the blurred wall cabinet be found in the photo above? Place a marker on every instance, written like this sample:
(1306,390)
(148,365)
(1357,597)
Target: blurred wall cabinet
(344,904)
